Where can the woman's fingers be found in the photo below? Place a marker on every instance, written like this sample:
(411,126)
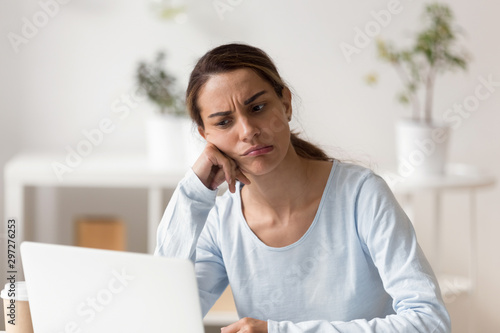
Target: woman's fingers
(218,177)
(229,167)
(213,167)
(248,325)
(241,177)
(233,173)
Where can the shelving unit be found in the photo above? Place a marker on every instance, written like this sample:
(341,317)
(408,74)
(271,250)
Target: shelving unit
(95,171)
(457,177)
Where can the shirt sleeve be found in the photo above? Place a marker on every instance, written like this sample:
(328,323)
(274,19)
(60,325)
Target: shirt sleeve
(187,231)
(388,238)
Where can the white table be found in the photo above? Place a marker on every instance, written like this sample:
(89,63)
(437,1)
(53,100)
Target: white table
(95,171)
(458,177)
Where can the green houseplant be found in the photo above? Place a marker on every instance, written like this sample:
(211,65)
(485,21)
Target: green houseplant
(422,140)
(434,52)
(159,86)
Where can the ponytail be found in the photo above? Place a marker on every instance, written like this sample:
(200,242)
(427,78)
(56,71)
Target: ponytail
(307,150)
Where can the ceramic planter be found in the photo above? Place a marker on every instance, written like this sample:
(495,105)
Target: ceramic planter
(164,137)
(421,148)
(173,144)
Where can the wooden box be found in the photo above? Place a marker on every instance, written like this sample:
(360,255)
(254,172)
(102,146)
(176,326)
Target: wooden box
(101,232)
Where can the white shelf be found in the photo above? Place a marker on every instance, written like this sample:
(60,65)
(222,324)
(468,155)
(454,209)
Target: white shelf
(457,176)
(96,170)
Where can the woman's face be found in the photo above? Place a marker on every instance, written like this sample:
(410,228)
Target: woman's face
(246,120)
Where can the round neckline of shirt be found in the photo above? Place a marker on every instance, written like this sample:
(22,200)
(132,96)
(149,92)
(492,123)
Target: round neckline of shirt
(309,230)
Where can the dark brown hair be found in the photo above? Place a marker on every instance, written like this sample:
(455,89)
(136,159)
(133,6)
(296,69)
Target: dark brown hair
(229,57)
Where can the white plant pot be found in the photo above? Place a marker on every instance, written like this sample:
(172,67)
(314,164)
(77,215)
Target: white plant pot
(164,134)
(173,143)
(421,149)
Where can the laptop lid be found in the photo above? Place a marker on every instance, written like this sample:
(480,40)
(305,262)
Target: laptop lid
(77,290)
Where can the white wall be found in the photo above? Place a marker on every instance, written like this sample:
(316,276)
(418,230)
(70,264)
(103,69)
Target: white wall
(83,60)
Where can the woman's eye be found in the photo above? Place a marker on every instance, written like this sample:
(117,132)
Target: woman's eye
(223,123)
(257,108)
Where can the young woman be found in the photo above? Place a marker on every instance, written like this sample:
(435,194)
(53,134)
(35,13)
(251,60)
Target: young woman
(307,243)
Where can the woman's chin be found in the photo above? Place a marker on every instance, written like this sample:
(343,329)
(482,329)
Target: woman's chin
(257,169)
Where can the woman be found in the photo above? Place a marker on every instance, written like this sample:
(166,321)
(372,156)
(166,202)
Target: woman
(307,243)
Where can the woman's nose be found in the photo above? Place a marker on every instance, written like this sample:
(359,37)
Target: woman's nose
(248,128)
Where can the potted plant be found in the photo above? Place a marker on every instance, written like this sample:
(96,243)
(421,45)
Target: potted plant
(422,140)
(166,128)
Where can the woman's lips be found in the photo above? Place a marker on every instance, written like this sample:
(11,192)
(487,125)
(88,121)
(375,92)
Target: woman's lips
(256,151)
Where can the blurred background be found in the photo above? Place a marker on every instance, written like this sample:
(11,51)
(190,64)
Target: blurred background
(62,72)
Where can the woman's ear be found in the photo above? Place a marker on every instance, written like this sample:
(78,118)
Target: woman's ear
(202,132)
(287,102)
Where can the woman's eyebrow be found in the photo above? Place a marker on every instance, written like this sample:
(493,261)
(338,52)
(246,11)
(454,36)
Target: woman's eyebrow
(254,97)
(248,101)
(220,114)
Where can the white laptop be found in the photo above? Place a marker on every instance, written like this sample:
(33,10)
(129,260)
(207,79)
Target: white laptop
(74,289)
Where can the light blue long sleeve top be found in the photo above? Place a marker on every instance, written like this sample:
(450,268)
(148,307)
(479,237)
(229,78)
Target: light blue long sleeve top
(358,268)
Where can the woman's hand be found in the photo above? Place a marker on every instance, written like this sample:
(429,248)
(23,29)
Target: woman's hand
(213,167)
(246,325)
